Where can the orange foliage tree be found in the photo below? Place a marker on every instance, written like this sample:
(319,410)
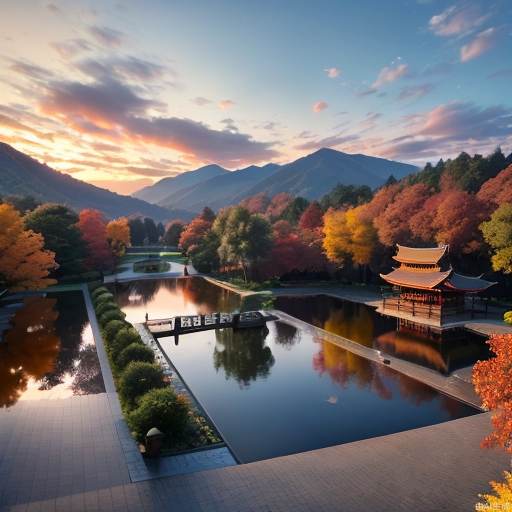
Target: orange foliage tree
(393,223)
(498,190)
(256,204)
(493,382)
(118,235)
(278,205)
(193,234)
(24,263)
(93,228)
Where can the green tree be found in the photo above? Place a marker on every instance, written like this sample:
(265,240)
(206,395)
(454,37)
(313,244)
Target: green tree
(58,225)
(243,238)
(498,234)
(23,204)
(151,230)
(137,231)
(294,210)
(173,233)
(205,257)
(346,195)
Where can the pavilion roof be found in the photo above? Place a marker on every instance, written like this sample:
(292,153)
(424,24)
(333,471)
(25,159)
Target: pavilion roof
(411,279)
(467,283)
(420,255)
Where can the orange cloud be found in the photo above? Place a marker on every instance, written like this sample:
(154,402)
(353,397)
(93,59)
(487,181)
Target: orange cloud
(319,106)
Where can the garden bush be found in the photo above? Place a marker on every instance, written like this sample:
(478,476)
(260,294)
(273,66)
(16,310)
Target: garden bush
(106,306)
(98,291)
(112,328)
(134,352)
(163,409)
(123,338)
(138,378)
(114,314)
(103,297)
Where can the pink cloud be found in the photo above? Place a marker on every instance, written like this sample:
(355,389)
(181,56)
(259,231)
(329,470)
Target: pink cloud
(482,43)
(390,74)
(456,20)
(226,104)
(319,106)
(333,72)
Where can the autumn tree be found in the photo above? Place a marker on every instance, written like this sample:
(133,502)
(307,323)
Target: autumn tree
(501,500)
(257,203)
(93,228)
(243,238)
(58,226)
(312,217)
(278,205)
(393,223)
(493,383)
(498,190)
(498,234)
(193,234)
(118,236)
(173,233)
(207,214)
(24,263)
(349,235)
(23,204)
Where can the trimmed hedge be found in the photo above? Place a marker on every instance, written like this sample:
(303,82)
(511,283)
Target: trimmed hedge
(163,409)
(113,327)
(123,338)
(114,314)
(139,378)
(103,297)
(134,352)
(98,291)
(106,306)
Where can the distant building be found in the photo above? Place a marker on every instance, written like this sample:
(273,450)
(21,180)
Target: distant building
(427,290)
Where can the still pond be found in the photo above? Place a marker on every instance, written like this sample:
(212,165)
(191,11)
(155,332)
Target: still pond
(277,390)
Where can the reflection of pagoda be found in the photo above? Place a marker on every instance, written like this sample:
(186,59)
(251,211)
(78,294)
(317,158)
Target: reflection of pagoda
(427,290)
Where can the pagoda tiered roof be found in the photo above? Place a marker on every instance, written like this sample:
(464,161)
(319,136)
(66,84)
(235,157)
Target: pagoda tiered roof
(420,255)
(427,278)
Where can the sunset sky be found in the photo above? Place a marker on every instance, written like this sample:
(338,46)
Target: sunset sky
(125,93)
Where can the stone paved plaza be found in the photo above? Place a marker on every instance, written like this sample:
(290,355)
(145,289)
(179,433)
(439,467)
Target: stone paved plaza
(76,454)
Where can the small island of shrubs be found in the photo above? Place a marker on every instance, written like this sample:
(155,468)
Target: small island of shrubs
(147,398)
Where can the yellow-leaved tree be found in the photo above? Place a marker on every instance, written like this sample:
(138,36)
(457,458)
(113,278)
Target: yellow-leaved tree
(349,234)
(118,235)
(24,263)
(502,500)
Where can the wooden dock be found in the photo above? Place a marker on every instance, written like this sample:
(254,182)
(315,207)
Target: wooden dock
(174,326)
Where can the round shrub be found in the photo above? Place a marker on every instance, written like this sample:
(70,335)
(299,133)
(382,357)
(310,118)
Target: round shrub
(112,328)
(123,338)
(98,291)
(138,378)
(104,297)
(163,409)
(134,352)
(114,314)
(106,306)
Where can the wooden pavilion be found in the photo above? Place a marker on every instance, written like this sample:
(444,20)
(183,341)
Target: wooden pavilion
(427,290)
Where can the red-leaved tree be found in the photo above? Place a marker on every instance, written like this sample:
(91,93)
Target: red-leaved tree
(93,228)
(312,217)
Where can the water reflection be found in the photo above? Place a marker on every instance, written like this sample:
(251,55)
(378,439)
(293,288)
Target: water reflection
(360,323)
(49,352)
(167,297)
(243,354)
(287,335)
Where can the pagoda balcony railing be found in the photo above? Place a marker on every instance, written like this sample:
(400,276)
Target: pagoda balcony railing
(421,309)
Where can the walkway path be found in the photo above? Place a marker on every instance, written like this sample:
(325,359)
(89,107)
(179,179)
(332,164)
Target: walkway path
(176,270)
(433,469)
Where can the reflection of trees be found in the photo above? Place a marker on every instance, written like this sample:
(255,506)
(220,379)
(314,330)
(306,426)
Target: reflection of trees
(206,296)
(30,348)
(243,354)
(286,334)
(87,374)
(344,366)
(137,293)
(72,318)
(351,320)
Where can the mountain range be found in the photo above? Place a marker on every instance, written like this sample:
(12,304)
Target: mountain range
(23,175)
(311,176)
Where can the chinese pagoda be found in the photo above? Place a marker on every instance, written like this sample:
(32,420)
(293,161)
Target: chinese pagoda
(426,289)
